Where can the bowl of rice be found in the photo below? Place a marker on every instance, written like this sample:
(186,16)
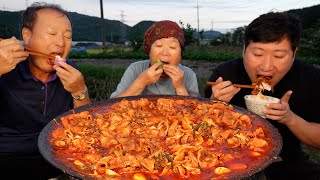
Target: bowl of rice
(257,103)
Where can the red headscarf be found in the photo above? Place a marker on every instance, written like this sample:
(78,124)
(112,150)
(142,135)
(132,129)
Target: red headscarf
(162,29)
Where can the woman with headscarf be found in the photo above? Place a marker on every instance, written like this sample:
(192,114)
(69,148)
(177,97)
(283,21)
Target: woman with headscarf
(162,73)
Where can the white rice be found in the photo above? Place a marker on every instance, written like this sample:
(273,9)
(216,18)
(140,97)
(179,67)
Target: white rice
(267,99)
(255,104)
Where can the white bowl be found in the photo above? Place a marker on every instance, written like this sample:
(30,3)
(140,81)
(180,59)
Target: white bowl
(257,105)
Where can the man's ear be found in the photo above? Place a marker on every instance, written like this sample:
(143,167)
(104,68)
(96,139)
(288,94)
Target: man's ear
(243,50)
(294,53)
(26,34)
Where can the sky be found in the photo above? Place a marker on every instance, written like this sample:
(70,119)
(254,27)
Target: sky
(220,15)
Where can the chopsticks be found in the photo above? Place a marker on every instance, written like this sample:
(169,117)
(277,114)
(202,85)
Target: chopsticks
(37,53)
(235,85)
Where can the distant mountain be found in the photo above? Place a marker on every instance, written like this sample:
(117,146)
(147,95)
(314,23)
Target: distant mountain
(88,28)
(308,15)
(211,34)
(136,33)
(85,28)
(139,29)
(144,25)
(10,24)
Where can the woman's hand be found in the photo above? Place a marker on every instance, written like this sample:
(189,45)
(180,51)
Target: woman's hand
(150,75)
(177,77)
(176,74)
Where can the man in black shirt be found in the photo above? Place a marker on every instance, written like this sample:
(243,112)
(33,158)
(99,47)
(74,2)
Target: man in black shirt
(33,90)
(271,43)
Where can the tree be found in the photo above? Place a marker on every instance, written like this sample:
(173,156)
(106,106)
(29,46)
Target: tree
(238,36)
(310,41)
(226,39)
(135,37)
(216,42)
(4,31)
(189,33)
(201,34)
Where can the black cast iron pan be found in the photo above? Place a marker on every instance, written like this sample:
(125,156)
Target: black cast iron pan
(102,106)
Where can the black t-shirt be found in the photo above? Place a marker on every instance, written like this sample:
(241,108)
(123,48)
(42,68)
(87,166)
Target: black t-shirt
(303,79)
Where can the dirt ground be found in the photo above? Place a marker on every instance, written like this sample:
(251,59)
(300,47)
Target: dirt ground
(201,68)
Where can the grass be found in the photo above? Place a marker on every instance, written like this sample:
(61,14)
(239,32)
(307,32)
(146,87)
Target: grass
(313,153)
(101,80)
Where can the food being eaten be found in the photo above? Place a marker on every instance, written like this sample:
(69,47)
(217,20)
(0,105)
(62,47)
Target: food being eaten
(262,83)
(260,96)
(58,60)
(264,86)
(162,139)
(256,102)
(158,60)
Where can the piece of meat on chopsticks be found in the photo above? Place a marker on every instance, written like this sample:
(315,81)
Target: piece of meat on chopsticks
(262,83)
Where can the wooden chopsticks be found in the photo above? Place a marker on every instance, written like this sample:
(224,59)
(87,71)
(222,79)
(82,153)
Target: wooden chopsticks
(37,53)
(235,85)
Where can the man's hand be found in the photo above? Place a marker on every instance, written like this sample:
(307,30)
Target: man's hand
(280,111)
(223,91)
(11,53)
(71,78)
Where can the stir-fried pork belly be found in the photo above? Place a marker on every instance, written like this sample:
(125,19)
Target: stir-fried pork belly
(159,139)
(262,83)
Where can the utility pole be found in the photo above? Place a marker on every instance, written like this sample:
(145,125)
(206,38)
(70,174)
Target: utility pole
(123,29)
(212,25)
(27,3)
(198,23)
(102,26)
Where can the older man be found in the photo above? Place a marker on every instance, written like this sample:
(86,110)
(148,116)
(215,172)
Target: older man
(33,90)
